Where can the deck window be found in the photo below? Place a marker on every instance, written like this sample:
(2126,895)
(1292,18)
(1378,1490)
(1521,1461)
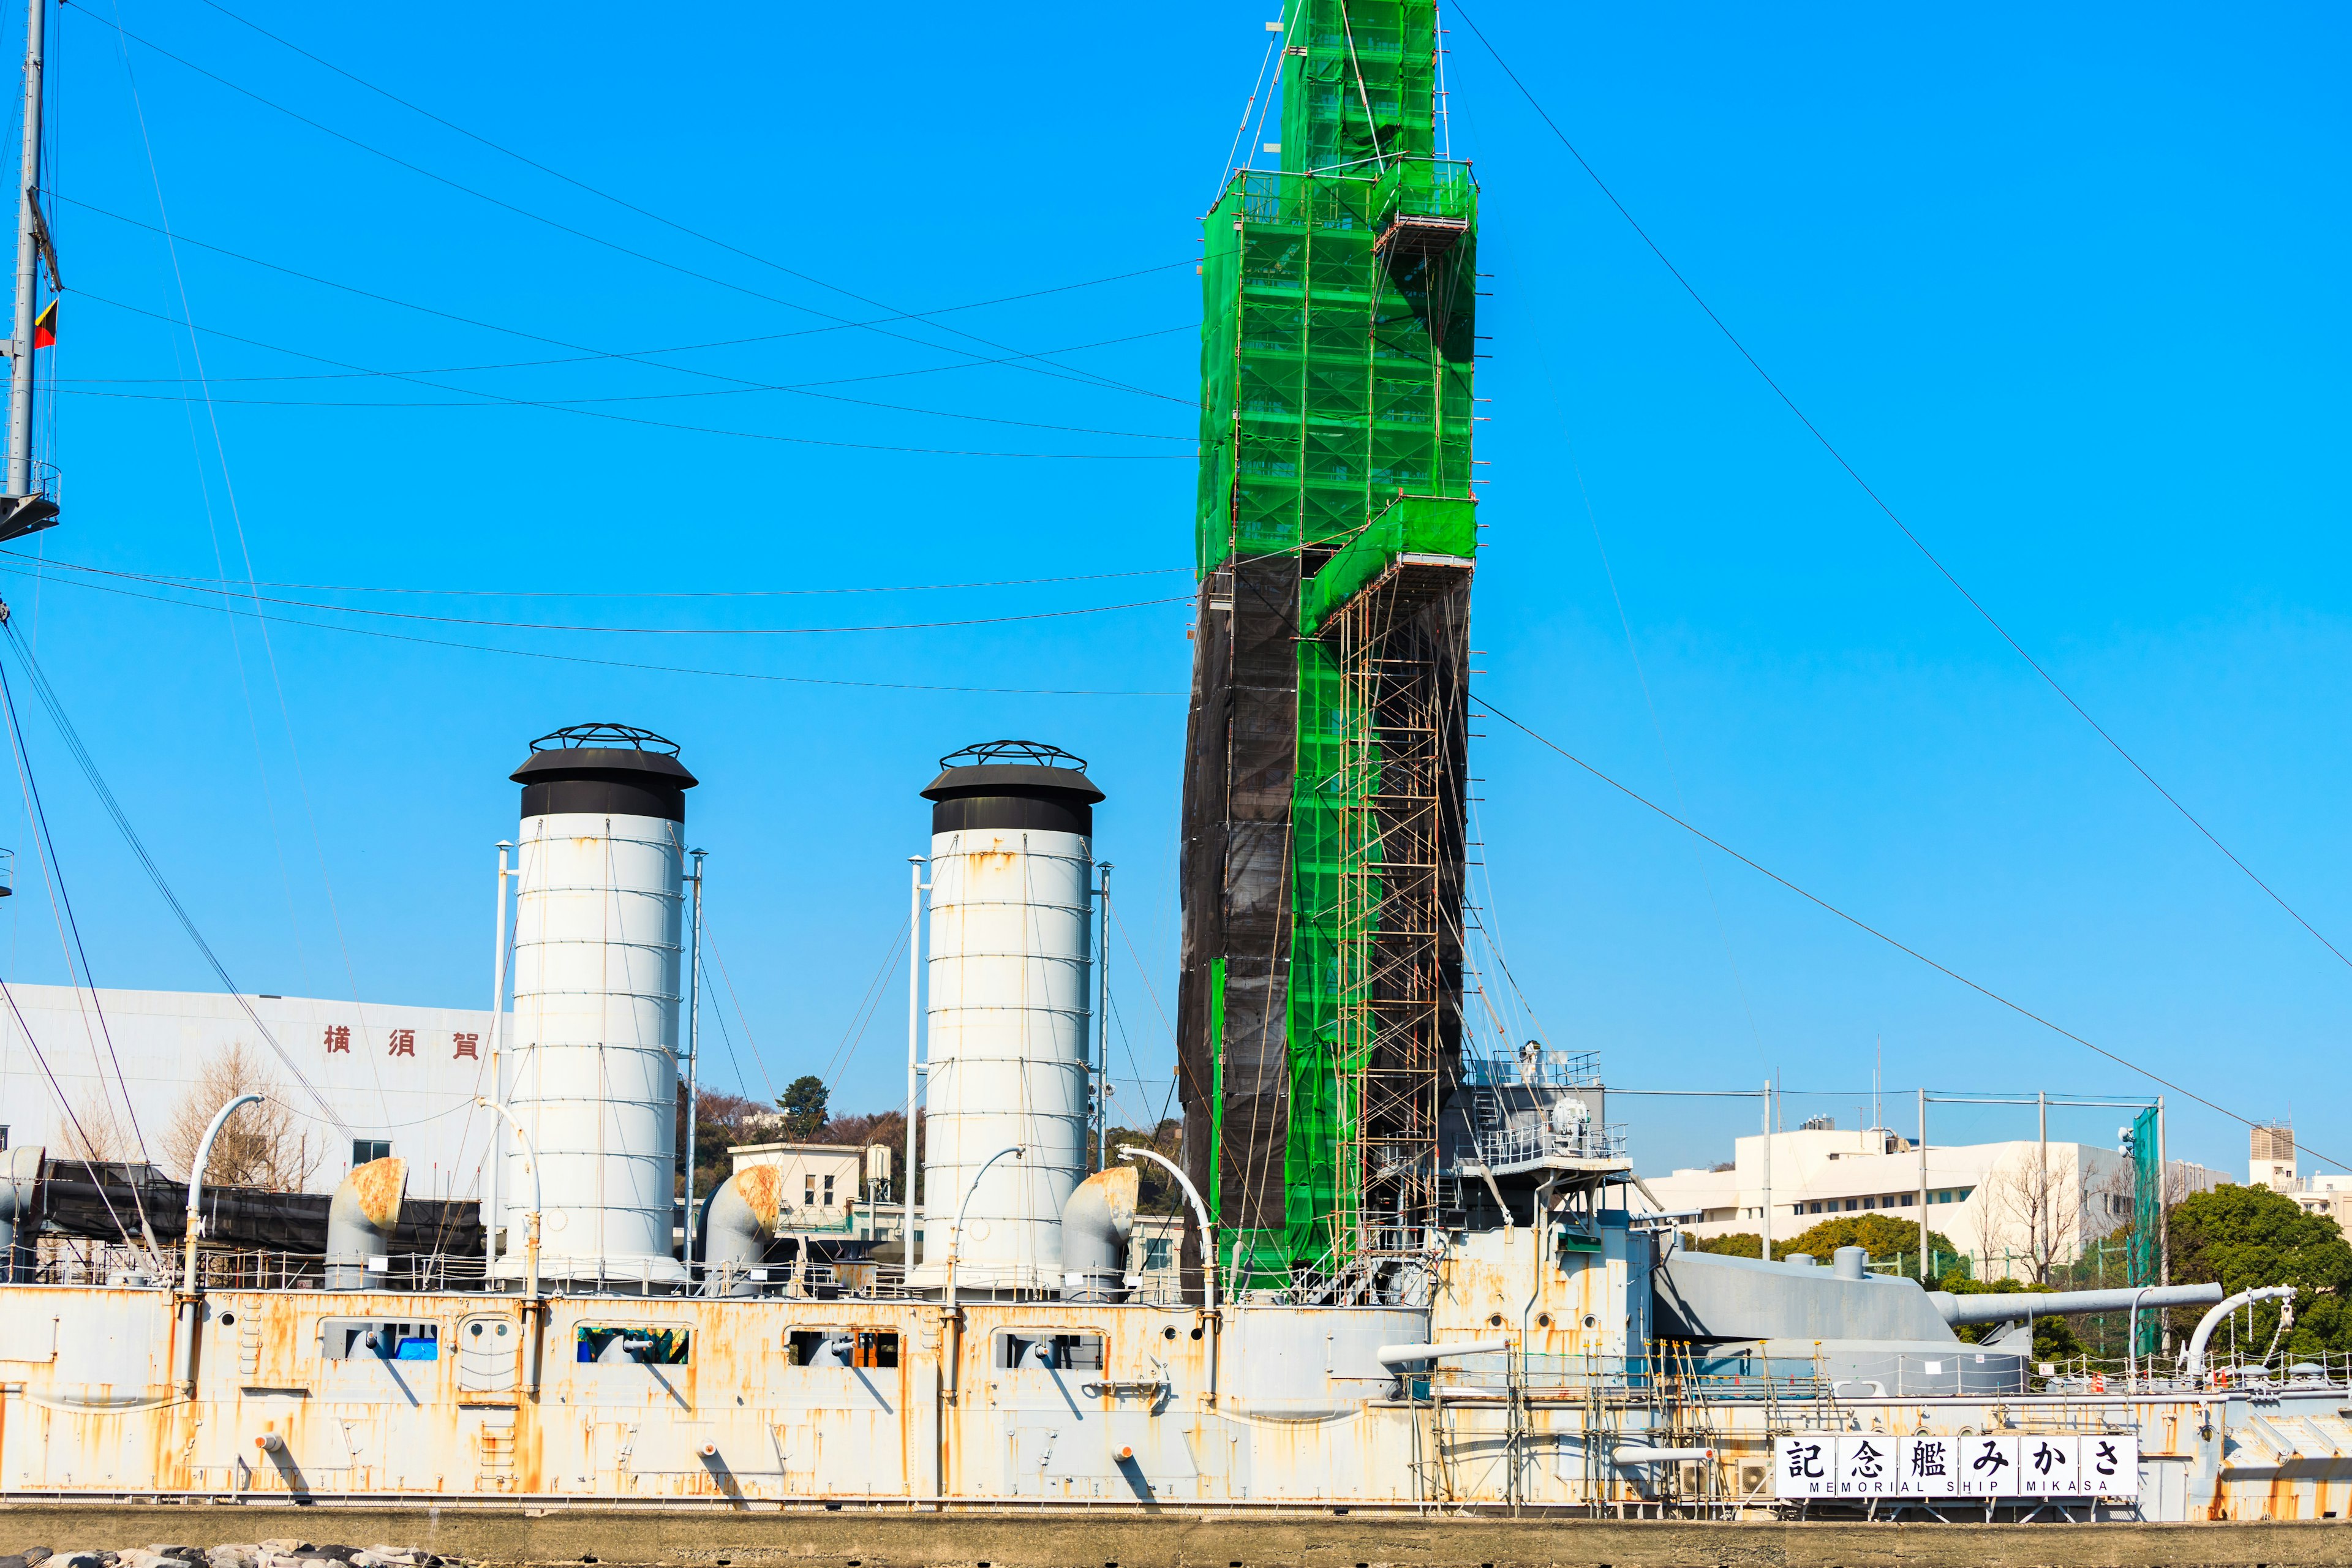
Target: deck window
(1043,1350)
(613,1344)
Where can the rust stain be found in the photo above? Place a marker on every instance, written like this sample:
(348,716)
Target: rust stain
(762,1187)
(379,1185)
(1120,1186)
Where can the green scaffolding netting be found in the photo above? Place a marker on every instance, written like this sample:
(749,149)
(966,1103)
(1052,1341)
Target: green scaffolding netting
(1337,358)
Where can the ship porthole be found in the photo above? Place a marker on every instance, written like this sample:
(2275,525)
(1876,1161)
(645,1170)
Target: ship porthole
(1543,1320)
(1591,1321)
(227,1318)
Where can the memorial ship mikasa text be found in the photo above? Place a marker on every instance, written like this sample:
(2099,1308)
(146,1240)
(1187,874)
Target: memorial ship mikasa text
(1416,1274)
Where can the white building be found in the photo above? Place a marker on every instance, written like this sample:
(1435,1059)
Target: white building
(2271,1161)
(387,1079)
(1993,1201)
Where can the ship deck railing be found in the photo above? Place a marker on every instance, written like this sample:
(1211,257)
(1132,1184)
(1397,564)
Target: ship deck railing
(226,1268)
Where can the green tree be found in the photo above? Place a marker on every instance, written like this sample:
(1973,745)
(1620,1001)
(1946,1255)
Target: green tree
(804,1102)
(1882,1235)
(2240,1238)
(2054,1339)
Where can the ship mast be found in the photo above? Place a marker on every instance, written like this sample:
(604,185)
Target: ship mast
(26,507)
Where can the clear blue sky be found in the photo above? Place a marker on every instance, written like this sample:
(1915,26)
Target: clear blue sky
(2066,287)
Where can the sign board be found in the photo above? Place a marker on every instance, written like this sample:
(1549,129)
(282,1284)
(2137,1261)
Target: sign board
(1854,1467)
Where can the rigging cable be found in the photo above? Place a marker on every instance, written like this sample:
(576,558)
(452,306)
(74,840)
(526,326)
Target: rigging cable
(669,223)
(749,1038)
(560,407)
(1019,360)
(1862,926)
(585,658)
(195,584)
(1880,502)
(61,897)
(648,631)
(43,689)
(245,552)
(473,398)
(66,1105)
(861,1018)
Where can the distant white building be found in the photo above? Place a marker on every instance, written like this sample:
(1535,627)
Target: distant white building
(2271,1161)
(388,1079)
(1993,1201)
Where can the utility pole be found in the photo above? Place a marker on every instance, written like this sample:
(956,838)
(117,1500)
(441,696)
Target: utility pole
(1102,1028)
(24,510)
(2163,1220)
(914,1034)
(693,1057)
(2042,1203)
(1767,1171)
(493,1213)
(1923,1188)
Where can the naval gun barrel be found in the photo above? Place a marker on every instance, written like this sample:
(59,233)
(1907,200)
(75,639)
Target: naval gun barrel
(1959,1310)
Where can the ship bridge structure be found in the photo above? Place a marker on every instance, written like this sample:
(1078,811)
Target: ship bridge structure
(1323,845)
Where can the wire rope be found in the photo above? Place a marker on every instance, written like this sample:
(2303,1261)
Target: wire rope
(1880,504)
(66,1105)
(589,659)
(106,797)
(475,398)
(591,413)
(244,552)
(1869,930)
(631,206)
(651,631)
(181,579)
(62,900)
(1019,360)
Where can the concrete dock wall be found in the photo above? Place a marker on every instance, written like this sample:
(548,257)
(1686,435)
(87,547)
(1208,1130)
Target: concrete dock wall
(700,1539)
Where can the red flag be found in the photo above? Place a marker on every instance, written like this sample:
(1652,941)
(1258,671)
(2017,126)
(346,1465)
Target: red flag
(44,326)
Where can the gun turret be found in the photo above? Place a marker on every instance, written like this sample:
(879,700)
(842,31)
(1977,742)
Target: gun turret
(1959,1310)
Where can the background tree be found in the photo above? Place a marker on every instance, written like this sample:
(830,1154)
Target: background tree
(803,1102)
(262,1146)
(722,1120)
(2021,1204)
(1156,1190)
(1881,1235)
(2240,1238)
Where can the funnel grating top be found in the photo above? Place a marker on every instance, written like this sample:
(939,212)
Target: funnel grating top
(602,737)
(603,768)
(1013,785)
(1020,754)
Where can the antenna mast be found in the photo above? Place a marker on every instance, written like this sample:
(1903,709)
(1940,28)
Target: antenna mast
(24,508)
